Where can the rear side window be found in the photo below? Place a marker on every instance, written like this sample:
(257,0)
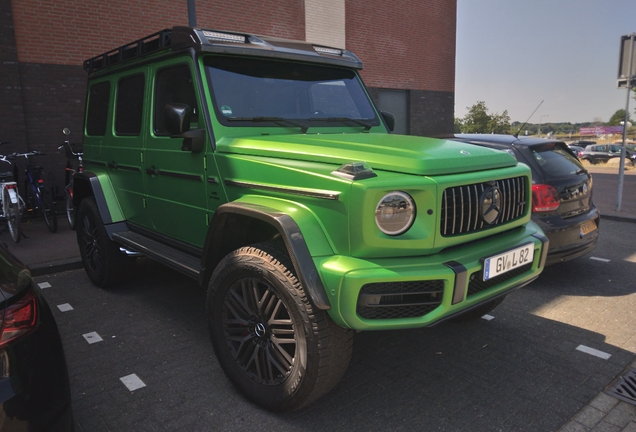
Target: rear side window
(130,103)
(97,111)
(556,161)
(173,85)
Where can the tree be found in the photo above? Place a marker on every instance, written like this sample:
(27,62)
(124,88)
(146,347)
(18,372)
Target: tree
(457,128)
(500,123)
(617,118)
(477,120)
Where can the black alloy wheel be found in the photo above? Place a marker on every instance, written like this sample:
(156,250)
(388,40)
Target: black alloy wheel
(274,347)
(100,255)
(260,331)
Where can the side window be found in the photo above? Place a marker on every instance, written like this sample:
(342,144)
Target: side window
(97,111)
(173,85)
(130,104)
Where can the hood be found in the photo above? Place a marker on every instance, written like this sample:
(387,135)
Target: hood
(396,153)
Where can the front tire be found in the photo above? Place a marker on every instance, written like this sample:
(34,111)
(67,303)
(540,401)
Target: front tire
(271,343)
(100,255)
(12,215)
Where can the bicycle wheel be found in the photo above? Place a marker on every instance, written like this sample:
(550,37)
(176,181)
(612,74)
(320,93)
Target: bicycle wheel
(12,214)
(48,211)
(70,209)
(29,202)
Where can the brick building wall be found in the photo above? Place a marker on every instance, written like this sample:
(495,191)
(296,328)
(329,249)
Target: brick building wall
(410,47)
(407,44)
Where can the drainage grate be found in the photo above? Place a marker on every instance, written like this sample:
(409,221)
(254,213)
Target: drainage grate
(625,387)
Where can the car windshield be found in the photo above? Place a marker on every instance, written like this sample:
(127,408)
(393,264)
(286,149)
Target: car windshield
(556,161)
(253,91)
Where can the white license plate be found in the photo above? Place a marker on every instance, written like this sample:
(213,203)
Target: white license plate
(587,227)
(502,263)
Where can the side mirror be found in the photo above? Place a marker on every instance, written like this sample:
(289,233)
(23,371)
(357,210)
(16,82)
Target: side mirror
(176,118)
(176,121)
(389,119)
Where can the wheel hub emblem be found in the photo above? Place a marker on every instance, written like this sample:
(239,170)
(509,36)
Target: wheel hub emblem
(259,329)
(490,205)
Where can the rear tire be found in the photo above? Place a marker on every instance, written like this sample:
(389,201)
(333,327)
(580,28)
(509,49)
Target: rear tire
(12,215)
(100,255)
(271,343)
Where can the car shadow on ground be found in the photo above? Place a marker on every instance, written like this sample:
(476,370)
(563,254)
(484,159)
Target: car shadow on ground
(518,371)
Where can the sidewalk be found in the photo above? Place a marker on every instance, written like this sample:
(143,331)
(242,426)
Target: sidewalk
(43,251)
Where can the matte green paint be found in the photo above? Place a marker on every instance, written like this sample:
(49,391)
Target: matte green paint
(345,276)
(290,172)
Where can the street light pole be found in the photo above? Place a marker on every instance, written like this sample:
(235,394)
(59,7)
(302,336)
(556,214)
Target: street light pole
(621,166)
(540,117)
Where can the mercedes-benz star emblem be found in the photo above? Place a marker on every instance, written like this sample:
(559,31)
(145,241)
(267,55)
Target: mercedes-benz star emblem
(490,205)
(260,330)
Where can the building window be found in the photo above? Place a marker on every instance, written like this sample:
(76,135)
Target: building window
(396,102)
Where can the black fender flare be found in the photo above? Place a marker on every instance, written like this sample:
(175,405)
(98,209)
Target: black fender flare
(87,184)
(289,232)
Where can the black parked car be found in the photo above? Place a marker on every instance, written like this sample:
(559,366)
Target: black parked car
(601,153)
(34,386)
(561,192)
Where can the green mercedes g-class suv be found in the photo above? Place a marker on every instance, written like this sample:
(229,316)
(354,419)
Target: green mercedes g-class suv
(261,168)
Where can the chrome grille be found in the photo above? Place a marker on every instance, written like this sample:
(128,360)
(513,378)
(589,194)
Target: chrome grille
(460,213)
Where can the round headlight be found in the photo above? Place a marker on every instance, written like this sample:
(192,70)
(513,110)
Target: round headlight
(395,213)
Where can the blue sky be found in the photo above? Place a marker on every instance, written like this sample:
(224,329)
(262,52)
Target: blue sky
(512,54)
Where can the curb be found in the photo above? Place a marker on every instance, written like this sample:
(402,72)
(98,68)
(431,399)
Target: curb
(618,218)
(50,267)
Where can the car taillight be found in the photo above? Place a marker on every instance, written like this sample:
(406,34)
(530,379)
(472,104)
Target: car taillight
(20,319)
(545,198)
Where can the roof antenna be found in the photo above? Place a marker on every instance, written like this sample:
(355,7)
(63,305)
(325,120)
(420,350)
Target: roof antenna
(526,122)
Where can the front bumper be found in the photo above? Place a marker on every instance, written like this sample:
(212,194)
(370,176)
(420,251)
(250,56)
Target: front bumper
(396,293)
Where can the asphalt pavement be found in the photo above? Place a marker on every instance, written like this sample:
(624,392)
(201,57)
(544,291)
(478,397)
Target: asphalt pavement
(46,253)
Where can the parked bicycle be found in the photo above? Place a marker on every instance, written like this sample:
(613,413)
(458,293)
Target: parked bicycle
(11,202)
(71,154)
(38,199)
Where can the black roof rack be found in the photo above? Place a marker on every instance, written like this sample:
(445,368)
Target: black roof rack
(148,45)
(202,40)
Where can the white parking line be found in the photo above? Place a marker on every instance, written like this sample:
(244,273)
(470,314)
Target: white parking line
(593,352)
(488,317)
(92,337)
(599,259)
(132,382)
(43,285)
(65,307)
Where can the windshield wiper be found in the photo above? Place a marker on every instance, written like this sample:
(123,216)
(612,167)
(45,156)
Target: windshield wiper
(278,120)
(362,123)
